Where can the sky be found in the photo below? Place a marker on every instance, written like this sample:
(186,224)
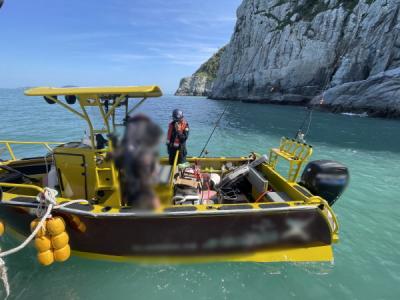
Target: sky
(114,42)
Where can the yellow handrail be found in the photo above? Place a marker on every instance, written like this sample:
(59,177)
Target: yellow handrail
(11,151)
(295,152)
(20,185)
(173,170)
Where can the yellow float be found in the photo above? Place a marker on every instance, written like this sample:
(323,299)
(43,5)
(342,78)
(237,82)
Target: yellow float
(2,228)
(51,241)
(55,226)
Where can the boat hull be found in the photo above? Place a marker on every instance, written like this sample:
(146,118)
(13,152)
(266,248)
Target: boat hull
(230,233)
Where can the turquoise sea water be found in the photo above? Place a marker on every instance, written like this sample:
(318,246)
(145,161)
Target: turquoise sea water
(367,259)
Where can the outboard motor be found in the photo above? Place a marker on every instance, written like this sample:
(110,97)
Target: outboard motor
(326,178)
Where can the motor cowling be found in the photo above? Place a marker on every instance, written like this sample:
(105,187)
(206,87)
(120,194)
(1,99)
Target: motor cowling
(326,178)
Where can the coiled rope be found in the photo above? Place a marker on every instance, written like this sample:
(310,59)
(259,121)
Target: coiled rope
(47,203)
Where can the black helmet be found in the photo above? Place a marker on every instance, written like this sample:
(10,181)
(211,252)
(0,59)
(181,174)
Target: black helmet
(177,115)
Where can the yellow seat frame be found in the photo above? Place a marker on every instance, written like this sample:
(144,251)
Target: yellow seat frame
(293,151)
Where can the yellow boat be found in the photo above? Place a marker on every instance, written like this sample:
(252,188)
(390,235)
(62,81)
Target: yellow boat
(270,217)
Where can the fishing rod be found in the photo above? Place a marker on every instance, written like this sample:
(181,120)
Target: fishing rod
(212,133)
(229,104)
(303,131)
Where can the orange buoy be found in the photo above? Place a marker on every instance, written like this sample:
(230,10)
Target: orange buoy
(55,226)
(45,258)
(42,244)
(34,224)
(2,228)
(60,241)
(62,254)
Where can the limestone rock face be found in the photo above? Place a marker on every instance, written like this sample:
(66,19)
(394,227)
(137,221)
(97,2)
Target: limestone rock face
(195,85)
(201,82)
(378,96)
(286,51)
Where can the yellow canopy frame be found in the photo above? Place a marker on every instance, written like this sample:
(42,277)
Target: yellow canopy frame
(107,99)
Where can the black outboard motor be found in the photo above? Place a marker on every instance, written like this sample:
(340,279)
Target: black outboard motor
(326,178)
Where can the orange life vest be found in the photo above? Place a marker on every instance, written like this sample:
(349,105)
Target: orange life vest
(182,126)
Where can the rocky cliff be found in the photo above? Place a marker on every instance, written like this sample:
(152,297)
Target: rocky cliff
(291,52)
(201,82)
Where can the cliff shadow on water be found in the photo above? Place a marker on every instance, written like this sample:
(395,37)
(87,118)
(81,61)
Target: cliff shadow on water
(337,130)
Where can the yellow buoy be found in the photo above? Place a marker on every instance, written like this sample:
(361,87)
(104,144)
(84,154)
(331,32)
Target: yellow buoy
(60,241)
(2,228)
(45,258)
(55,226)
(62,254)
(42,230)
(42,244)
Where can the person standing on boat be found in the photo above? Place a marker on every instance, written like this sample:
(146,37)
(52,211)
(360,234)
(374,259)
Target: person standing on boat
(178,133)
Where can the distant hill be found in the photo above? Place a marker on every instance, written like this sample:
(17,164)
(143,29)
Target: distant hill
(201,82)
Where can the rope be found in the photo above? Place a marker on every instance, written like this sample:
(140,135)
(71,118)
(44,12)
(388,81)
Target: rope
(4,277)
(47,203)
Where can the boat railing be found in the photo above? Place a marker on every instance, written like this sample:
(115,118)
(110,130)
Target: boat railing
(22,186)
(293,151)
(173,170)
(7,146)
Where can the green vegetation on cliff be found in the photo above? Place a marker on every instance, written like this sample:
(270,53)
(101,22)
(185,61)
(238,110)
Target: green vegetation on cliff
(210,68)
(307,10)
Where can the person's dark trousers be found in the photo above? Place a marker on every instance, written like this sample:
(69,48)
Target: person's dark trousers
(181,157)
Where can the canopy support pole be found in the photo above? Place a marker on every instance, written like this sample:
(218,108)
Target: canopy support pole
(115,105)
(66,107)
(136,106)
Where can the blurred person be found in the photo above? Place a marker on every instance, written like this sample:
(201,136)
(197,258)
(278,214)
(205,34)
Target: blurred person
(136,157)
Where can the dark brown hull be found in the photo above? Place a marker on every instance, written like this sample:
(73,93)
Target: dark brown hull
(187,233)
